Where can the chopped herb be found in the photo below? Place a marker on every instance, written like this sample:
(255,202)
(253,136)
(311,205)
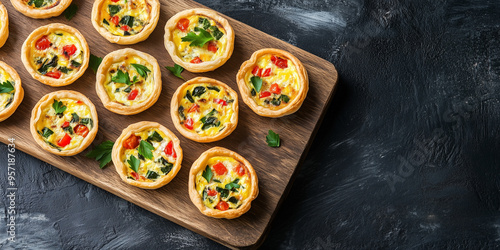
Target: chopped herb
(189,97)
(121,77)
(273,139)
(256,82)
(199,39)
(75,118)
(181,112)
(58,107)
(6,87)
(145,149)
(216,32)
(253,92)
(155,136)
(64,70)
(127,90)
(198,91)
(46,132)
(134,163)
(104,21)
(94,62)
(285,98)
(207,174)
(113,9)
(102,153)
(141,69)
(46,65)
(205,24)
(210,122)
(232,186)
(151,175)
(176,70)
(168,166)
(75,64)
(127,20)
(70,12)
(213,88)
(223,192)
(233,200)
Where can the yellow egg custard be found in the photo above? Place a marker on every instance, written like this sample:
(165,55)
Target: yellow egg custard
(40,8)
(64,122)
(55,54)
(222,183)
(274,82)
(199,39)
(11,91)
(147,155)
(205,109)
(128,81)
(4,25)
(125,21)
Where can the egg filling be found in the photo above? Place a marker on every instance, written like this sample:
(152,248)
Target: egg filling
(199,39)
(130,81)
(7,89)
(205,109)
(273,82)
(125,17)
(65,123)
(58,55)
(41,4)
(149,155)
(223,184)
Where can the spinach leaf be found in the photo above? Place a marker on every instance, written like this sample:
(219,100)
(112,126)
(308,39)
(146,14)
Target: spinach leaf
(210,122)
(75,64)
(151,175)
(155,136)
(113,9)
(167,165)
(213,88)
(46,132)
(75,118)
(68,130)
(232,186)
(276,101)
(216,32)
(189,97)
(86,121)
(223,192)
(127,20)
(127,90)
(104,21)
(181,113)
(198,91)
(253,92)
(207,174)
(64,70)
(285,98)
(205,195)
(205,23)
(233,200)
(46,65)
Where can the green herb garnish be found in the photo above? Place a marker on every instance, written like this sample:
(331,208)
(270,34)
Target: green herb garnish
(285,98)
(127,20)
(75,118)
(145,149)
(46,132)
(213,88)
(151,175)
(198,91)
(141,69)
(58,107)
(6,87)
(207,174)
(155,136)
(189,97)
(273,139)
(199,39)
(102,153)
(256,82)
(121,77)
(176,70)
(70,12)
(113,9)
(134,163)
(94,62)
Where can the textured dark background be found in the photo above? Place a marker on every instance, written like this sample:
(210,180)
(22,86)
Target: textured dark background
(407,156)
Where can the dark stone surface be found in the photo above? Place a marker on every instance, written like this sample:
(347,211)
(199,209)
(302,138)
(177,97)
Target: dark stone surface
(408,154)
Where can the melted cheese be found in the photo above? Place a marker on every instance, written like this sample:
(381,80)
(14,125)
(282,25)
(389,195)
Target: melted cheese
(207,103)
(231,176)
(44,4)
(188,53)
(140,10)
(287,80)
(119,92)
(149,164)
(49,119)
(58,40)
(6,98)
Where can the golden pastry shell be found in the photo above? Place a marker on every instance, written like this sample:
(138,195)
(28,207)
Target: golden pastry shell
(4,25)
(18,95)
(22,7)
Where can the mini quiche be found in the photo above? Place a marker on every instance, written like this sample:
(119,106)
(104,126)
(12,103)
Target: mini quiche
(273,83)
(55,54)
(222,184)
(4,25)
(204,110)
(11,91)
(125,21)
(64,122)
(128,81)
(147,155)
(40,8)
(199,40)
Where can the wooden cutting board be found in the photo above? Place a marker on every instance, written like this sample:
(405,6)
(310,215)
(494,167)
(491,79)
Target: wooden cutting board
(275,166)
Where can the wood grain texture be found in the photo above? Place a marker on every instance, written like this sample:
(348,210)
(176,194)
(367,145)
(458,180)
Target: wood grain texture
(275,167)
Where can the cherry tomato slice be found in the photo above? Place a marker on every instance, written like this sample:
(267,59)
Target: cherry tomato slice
(189,123)
(183,24)
(275,89)
(266,73)
(81,130)
(135,175)
(133,94)
(211,192)
(265,94)
(222,206)
(69,50)
(64,141)
(79,102)
(169,149)
(240,170)
(115,20)
(212,46)
(125,28)
(114,1)
(54,74)
(196,60)
(131,142)
(280,62)
(65,125)
(220,101)
(42,43)
(194,108)
(220,169)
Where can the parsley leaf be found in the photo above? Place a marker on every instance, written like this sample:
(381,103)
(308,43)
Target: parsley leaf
(145,149)
(198,39)
(6,87)
(232,185)
(58,107)
(207,174)
(121,77)
(102,153)
(256,82)
(273,139)
(176,70)
(141,69)
(94,62)
(70,12)
(134,163)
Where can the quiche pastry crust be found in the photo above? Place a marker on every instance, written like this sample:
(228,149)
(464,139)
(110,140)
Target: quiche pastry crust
(41,13)
(36,115)
(121,168)
(201,163)
(29,45)
(190,134)
(204,66)
(18,94)
(126,40)
(245,92)
(119,56)
(4,25)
